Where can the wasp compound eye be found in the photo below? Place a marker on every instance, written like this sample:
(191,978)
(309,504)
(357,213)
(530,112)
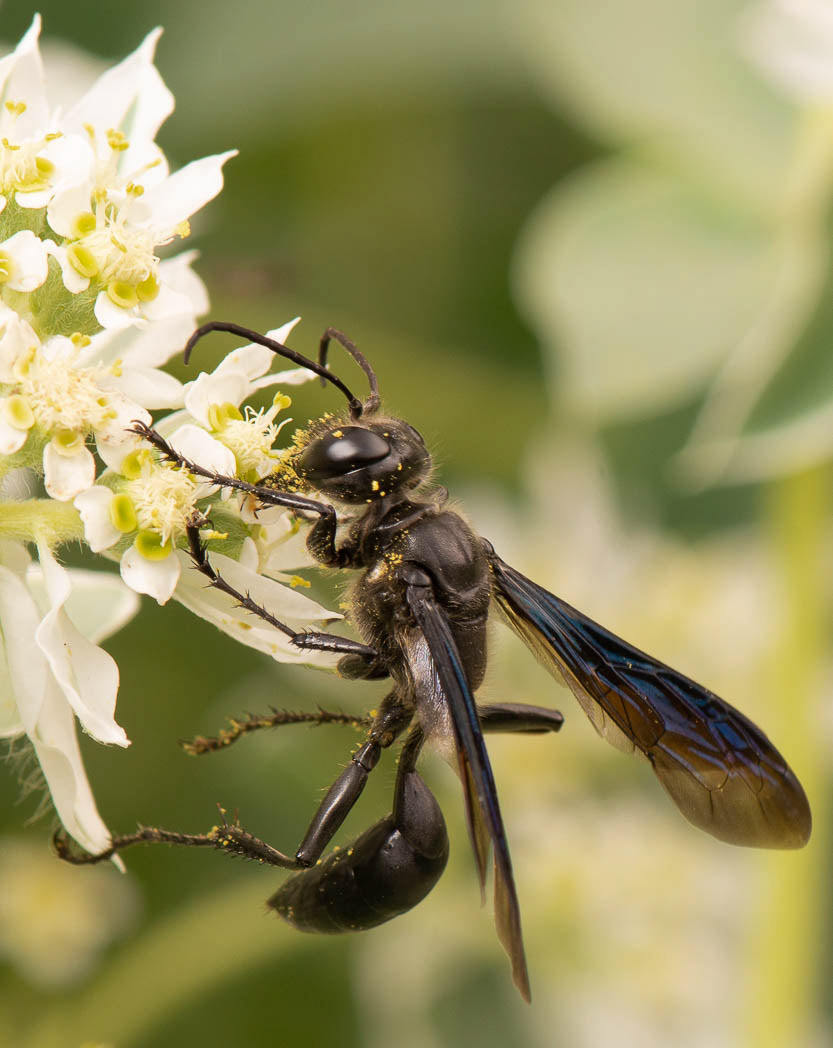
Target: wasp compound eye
(342,451)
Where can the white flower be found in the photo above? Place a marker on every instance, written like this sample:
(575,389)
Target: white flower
(54,671)
(23,262)
(104,182)
(284,602)
(793,40)
(55,919)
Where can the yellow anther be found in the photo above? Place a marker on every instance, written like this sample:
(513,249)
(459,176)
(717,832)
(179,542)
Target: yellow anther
(122,294)
(133,463)
(18,412)
(220,414)
(79,341)
(82,224)
(123,514)
(149,544)
(44,167)
(297,581)
(148,289)
(6,267)
(82,260)
(281,401)
(16,108)
(67,442)
(183,229)
(23,364)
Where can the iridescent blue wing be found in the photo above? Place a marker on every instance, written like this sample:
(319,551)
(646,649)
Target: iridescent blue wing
(720,770)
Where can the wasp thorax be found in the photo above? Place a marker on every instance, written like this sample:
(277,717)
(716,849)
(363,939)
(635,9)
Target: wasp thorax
(363,463)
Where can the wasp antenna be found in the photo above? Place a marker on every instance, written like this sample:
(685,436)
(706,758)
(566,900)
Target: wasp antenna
(372,402)
(356,406)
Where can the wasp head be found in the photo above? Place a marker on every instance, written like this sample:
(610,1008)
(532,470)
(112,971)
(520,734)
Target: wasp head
(362,461)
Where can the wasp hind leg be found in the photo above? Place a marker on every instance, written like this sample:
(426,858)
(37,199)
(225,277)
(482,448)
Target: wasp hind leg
(231,838)
(380,875)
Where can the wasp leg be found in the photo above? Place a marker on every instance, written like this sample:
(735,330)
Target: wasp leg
(383,873)
(518,717)
(254,722)
(307,640)
(231,838)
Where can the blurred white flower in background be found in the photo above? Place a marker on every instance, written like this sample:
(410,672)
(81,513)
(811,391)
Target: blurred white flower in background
(793,39)
(56,919)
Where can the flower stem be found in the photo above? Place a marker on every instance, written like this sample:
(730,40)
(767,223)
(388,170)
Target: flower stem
(785,942)
(53,522)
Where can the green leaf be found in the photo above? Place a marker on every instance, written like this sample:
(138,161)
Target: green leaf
(639,285)
(672,73)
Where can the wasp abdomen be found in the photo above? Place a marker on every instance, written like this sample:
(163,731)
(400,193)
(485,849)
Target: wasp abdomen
(383,873)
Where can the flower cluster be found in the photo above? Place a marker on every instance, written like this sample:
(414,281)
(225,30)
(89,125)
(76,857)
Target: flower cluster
(89,315)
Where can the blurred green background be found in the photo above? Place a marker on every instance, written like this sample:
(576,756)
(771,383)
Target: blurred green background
(586,248)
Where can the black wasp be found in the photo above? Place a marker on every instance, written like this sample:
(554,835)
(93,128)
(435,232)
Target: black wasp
(421,604)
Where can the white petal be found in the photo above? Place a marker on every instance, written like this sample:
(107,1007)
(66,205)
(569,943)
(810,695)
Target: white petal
(114,453)
(87,675)
(99,605)
(66,476)
(145,347)
(252,361)
(16,339)
(109,101)
(34,199)
(12,439)
(11,724)
(29,261)
(202,449)
(282,333)
(22,72)
(94,507)
(206,390)
(156,578)
(290,377)
(149,387)
(57,751)
(117,430)
(286,604)
(283,554)
(187,190)
(73,159)
(248,555)
(67,204)
(109,315)
(176,273)
(168,303)
(28,670)
(73,281)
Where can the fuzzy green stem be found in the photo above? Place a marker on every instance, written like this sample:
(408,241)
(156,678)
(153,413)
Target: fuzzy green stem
(786,939)
(31,519)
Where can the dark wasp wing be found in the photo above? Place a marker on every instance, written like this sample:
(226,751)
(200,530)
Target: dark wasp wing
(435,664)
(721,771)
